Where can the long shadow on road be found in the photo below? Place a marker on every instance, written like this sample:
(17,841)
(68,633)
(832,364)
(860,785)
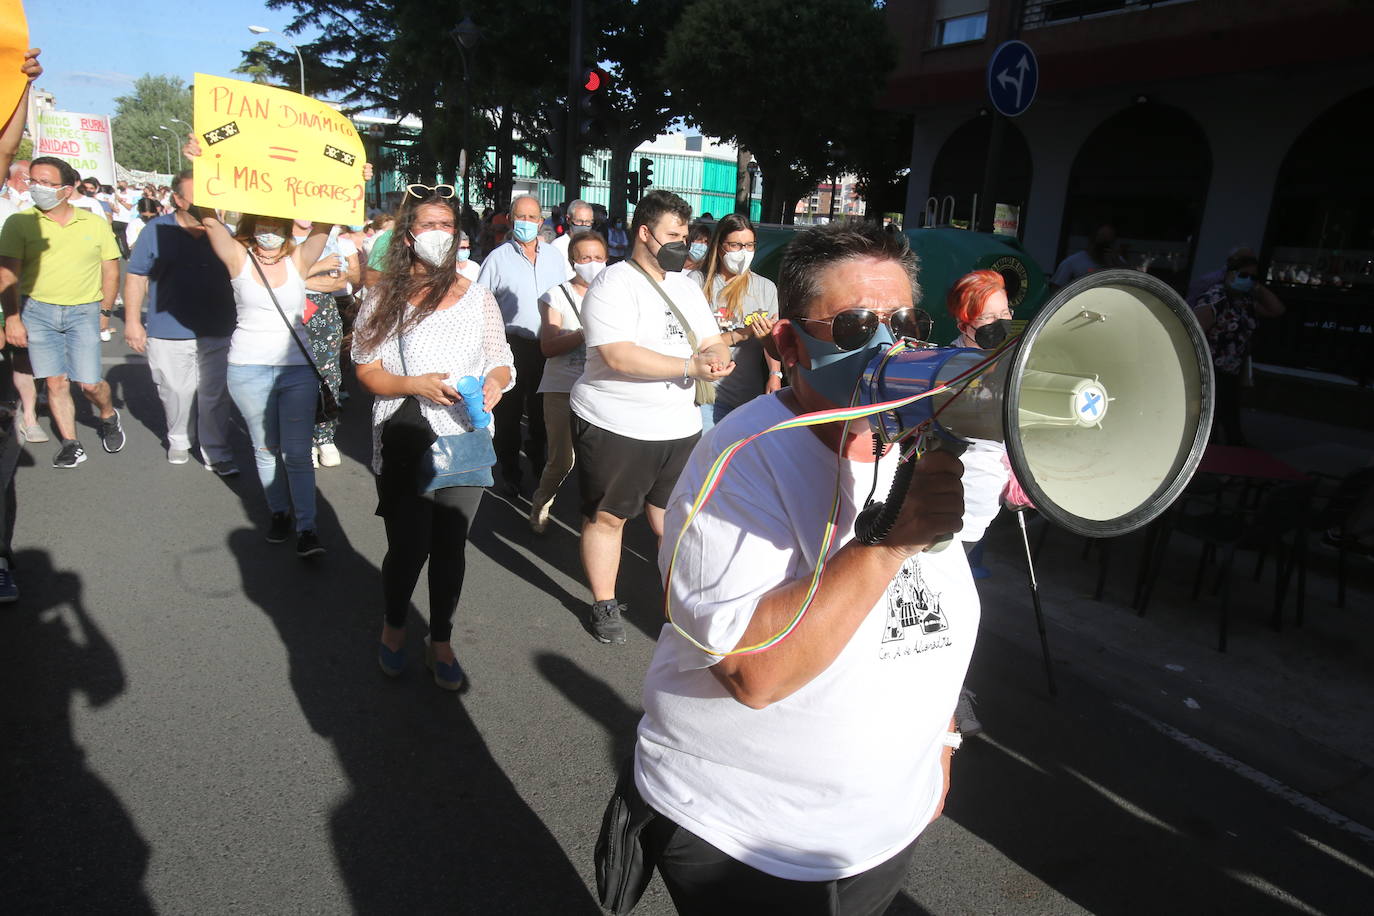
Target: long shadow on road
(431,823)
(66,841)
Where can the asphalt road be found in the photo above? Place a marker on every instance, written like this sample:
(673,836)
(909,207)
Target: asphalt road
(194,722)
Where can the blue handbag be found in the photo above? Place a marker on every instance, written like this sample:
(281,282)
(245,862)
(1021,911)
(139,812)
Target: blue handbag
(462,460)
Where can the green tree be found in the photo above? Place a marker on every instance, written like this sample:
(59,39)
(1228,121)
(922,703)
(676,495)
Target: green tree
(880,159)
(263,63)
(153,103)
(785,79)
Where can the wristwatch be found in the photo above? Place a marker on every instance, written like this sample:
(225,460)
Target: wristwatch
(954,739)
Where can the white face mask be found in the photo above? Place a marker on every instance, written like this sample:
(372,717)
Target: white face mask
(433,246)
(737,262)
(269,241)
(44,198)
(587,272)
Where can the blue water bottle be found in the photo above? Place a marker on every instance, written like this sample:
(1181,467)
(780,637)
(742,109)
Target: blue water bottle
(471,390)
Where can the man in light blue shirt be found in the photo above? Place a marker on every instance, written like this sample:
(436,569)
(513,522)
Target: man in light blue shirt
(518,272)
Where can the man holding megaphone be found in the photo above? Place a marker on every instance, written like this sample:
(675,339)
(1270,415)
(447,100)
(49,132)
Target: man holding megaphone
(792,758)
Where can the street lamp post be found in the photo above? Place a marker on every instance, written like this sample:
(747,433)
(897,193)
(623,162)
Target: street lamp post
(173,135)
(263,30)
(166,150)
(464,36)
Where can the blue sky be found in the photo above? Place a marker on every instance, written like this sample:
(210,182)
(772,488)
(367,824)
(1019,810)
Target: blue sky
(94,49)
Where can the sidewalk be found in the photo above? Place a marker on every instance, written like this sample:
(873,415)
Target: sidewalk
(1294,704)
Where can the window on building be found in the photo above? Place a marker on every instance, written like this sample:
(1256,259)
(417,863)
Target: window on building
(959,29)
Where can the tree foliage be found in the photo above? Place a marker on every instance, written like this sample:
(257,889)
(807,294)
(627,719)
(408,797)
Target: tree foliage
(144,113)
(789,80)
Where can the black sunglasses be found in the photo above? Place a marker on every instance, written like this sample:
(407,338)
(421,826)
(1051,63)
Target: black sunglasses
(853,328)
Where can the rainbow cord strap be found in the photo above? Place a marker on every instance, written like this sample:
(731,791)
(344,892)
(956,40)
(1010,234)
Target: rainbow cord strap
(722,462)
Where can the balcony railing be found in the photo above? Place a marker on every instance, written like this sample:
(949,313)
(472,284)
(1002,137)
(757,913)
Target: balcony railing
(1039,13)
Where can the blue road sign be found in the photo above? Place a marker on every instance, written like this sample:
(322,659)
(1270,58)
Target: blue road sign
(1013,76)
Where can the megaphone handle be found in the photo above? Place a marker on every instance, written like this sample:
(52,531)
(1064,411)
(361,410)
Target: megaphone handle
(875,522)
(955,447)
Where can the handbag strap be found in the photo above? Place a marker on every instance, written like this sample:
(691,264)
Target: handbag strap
(563,288)
(687,328)
(290,329)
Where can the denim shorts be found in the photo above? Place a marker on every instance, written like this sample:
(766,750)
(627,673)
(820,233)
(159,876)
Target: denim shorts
(64,340)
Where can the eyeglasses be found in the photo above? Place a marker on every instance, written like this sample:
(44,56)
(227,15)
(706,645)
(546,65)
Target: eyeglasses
(43,184)
(852,328)
(738,246)
(423,190)
(581,224)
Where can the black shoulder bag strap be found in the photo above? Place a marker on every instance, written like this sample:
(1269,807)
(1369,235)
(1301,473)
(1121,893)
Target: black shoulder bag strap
(563,288)
(326,403)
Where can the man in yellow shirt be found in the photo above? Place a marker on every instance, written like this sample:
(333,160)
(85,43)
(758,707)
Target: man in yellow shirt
(59,266)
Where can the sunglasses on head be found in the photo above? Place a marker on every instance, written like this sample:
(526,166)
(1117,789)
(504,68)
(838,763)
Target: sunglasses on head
(423,190)
(853,328)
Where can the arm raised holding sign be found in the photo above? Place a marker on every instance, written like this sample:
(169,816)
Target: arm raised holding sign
(13,131)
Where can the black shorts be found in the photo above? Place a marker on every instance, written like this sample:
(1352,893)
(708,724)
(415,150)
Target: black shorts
(619,475)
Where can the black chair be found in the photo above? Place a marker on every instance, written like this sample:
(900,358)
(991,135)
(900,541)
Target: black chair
(1273,520)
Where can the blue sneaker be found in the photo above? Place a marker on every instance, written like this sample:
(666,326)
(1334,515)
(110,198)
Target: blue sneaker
(447,675)
(391,662)
(9,590)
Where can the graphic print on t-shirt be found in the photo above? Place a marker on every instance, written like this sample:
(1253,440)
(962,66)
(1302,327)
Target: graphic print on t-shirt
(914,616)
(672,330)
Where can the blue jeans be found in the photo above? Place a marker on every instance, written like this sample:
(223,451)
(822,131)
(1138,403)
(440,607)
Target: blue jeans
(278,404)
(64,340)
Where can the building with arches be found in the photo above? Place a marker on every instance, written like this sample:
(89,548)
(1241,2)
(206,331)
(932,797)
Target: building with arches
(1192,126)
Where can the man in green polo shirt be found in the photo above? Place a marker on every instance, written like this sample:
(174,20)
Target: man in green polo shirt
(59,266)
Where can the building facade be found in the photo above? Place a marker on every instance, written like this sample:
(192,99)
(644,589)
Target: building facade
(1192,126)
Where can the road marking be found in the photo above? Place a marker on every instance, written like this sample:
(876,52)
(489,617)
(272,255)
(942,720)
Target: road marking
(1335,854)
(1124,804)
(1278,893)
(1013,755)
(1263,780)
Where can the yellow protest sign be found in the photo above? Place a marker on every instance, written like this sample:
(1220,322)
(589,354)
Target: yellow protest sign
(275,153)
(14,41)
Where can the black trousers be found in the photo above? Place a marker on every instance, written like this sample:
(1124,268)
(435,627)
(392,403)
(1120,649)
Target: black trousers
(1227,418)
(703,880)
(522,399)
(433,529)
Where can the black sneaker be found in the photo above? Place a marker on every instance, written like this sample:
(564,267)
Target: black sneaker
(308,545)
(70,456)
(280,528)
(111,433)
(606,624)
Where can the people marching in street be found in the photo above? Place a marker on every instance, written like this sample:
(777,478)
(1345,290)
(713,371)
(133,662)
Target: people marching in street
(423,328)
(175,272)
(63,263)
(564,345)
(650,339)
(518,272)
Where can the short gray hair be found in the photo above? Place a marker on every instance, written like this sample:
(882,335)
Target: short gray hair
(815,250)
(580,204)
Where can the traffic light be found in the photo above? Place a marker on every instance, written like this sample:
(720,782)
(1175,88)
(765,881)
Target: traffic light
(646,175)
(632,188)
(593,106)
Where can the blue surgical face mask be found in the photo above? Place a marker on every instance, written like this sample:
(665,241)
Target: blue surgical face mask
(697,251)
(525,231)
(464,254)
(1243,284)
(834,372)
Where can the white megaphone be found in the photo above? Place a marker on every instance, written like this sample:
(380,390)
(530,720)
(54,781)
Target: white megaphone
(1104,403)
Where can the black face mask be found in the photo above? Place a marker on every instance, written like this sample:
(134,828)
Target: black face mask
(672,257)
(991,336)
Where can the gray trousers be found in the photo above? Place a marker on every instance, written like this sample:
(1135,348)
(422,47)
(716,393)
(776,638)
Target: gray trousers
(190,379)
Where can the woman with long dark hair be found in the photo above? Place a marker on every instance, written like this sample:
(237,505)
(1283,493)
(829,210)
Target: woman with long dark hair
(271,378)
(422,329)
(746,307)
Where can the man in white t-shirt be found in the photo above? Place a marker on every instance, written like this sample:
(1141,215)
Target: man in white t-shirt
(635,418)
(788,778)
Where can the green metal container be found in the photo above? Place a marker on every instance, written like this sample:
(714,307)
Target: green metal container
(946,255)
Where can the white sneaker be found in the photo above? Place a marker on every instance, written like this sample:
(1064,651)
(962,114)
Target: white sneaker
(315,456)
(328,455)
(107,335)
(178,455)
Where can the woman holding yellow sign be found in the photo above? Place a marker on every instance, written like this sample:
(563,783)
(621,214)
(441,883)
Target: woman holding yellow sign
(271,377)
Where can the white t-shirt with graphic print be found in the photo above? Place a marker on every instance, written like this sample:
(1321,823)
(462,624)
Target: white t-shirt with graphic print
(845,773)
(622,305)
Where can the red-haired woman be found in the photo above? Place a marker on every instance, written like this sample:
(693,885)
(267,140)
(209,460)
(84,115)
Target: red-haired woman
(976,301)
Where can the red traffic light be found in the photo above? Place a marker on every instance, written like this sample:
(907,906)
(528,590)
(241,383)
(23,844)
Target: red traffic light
(593,80)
